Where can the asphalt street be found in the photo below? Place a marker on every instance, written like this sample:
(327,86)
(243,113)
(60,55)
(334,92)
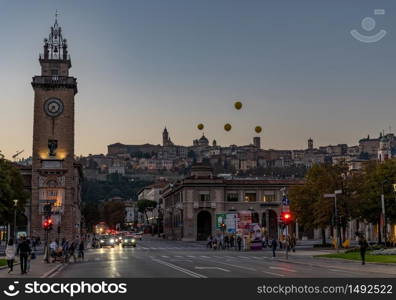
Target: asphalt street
(155,258)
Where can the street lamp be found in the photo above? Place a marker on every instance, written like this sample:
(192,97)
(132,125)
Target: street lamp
(337,192)
(15,211)
(384,231)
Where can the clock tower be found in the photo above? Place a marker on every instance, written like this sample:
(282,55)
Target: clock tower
(55,175)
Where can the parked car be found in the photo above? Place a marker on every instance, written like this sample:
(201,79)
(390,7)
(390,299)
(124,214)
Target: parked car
(138,235)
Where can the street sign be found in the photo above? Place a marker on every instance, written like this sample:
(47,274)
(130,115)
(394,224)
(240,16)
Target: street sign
(329,195)
(285,200)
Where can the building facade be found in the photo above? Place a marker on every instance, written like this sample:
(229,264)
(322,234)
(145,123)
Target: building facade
(56,178)
(191,205)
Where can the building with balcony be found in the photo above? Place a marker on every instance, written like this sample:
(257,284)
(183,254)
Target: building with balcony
(191,205)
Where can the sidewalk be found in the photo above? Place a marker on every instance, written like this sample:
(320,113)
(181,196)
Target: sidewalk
(38,268)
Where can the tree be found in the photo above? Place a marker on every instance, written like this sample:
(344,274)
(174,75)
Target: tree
(375,179)
(11,188)
(145,205)
(113,213)
(308,203)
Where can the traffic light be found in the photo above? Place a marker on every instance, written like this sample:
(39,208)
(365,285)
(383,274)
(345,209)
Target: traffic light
(47,224)
(286,217)
(223,226)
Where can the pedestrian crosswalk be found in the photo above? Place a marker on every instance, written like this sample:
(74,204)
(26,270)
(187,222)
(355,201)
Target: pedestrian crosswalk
(171,248)
(98,257)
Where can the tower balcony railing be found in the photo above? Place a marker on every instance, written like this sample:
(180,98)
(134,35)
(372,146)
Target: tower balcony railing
(55,81)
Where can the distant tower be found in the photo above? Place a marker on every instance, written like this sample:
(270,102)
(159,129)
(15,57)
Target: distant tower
(166,141)
(384,151)
(165,137)
(257,142)
(310,144)
(214,143)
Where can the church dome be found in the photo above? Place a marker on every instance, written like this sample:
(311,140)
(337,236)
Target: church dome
(203,140)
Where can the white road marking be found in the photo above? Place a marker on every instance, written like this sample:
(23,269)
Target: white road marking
(212,268)
(283,269)
(188,272)
(337,270)
(203,256)
(236,266)
(276,274)
(164,256)
(245,257)
(190,256)
(178,256)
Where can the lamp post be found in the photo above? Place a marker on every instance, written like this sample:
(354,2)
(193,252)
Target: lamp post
(15,212)
(337,192)
(384,231)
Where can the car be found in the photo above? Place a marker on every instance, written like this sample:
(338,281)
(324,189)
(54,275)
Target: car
(128,241)
(107,242)
(138,235)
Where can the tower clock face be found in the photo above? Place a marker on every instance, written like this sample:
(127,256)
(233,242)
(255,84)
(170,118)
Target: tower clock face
(53,107)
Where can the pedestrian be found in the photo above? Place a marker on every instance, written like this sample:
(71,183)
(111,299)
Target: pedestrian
(220,239)
(65,250)
(293,242)
(227,241)
(71,252)
(239,242)
(210,241)
(215,243)
(232,241)
(81,250)
(53,248)
(10,255)
(363,247)
(24,251)
(274,245)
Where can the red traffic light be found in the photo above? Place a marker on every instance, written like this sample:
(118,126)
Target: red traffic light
(47,224)
(286,217)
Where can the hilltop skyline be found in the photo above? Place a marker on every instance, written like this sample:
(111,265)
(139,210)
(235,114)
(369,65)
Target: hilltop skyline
(142,66)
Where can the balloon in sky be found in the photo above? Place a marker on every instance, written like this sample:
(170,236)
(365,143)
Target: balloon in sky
(258,129)
(227,127)
(238,105)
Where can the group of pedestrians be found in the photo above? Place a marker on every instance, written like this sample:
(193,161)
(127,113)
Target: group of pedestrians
(239,243)
(66,250)
(223,242)
(24,250)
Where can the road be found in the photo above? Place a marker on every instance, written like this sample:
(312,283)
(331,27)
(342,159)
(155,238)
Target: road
(155,258)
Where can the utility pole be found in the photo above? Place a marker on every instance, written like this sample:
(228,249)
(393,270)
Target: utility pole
(338,238)
(384,231)
(15,224)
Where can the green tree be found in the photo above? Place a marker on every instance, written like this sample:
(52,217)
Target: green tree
(308,203)
(375,179)
(11,188)
(113,212)
(145,205)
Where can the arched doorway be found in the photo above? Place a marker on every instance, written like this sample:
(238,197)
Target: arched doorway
(204,225)
(255,217)
(273,224)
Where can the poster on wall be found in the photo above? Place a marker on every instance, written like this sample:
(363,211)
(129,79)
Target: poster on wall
(231,223)
(245,219)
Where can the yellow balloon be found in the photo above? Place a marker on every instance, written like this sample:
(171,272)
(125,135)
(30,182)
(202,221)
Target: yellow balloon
(238,105)
(227,127)
(258,129)
(200,126)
